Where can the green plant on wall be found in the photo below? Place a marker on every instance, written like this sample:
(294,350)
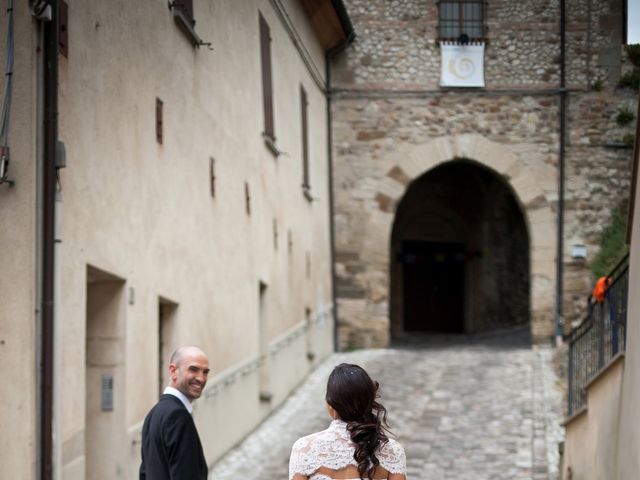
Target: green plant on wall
(632,78)
(613,244)
(624,117)
(633,53)
(628,140)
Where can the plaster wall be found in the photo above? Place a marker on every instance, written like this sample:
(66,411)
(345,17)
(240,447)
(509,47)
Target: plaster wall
(144,213)
(18,258)
(591,438)
(629,434)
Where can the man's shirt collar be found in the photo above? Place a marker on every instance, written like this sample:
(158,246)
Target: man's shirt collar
(177,393)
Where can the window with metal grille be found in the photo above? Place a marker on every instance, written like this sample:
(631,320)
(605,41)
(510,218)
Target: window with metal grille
(461,20)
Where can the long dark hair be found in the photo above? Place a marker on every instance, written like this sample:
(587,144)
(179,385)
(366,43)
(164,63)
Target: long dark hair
(352,394)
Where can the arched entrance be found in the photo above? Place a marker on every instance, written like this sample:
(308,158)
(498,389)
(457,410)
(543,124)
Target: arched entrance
(459,253)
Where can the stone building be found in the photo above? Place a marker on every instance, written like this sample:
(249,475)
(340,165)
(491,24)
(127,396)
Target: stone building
(194,208)
(447,153)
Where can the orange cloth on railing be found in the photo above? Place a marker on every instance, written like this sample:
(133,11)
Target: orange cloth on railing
(601,287)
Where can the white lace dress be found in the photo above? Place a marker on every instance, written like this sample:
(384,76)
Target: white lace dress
(332,448)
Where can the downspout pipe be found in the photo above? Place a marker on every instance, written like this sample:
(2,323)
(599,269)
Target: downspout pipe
(559,317)
(49,182)
(340,9)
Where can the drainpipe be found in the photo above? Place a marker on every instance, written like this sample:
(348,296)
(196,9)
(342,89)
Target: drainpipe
(561,174)
(49,181)
(340,9)
(332,230)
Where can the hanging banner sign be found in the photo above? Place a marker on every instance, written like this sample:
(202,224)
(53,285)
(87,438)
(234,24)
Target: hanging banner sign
(462,65)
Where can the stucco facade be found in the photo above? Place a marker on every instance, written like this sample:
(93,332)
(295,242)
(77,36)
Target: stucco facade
(204,237)
(394,124)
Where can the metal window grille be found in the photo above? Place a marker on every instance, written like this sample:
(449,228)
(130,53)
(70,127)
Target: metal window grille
(461,17)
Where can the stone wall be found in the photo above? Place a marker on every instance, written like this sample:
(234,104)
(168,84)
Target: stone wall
(397,46)
(387,105)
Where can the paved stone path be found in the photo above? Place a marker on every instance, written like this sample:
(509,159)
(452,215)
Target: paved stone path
(481,408)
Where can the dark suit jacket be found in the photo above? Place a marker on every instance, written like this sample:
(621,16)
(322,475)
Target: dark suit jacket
(171,448)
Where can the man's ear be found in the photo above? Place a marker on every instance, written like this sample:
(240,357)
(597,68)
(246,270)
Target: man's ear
(173,371)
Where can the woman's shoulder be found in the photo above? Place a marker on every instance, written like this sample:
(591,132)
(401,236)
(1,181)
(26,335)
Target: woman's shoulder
(393,445)
(304,442)
(392,457)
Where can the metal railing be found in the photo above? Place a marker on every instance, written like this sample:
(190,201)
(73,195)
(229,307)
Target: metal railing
(599,338)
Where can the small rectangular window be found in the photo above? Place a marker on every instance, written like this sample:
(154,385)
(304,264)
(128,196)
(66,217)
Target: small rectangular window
(305,139)
(461,20)
(159,105)
(247,198)
(212,176)
(267,85)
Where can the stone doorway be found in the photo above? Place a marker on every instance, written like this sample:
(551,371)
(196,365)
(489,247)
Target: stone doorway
(459,254)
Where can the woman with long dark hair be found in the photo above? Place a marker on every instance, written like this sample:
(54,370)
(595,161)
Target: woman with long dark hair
(356,444)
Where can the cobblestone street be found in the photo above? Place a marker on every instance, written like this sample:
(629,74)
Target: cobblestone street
(478,407)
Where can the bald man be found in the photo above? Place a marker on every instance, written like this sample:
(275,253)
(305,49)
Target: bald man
(171,448)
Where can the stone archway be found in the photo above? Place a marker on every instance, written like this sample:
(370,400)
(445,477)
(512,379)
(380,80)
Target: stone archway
(459,258)
(523,180)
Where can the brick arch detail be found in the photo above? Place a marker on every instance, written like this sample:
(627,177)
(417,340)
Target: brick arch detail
(539,217)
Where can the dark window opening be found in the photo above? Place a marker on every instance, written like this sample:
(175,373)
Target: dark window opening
(159,105)
(247,198)
(461,20)
(275,234)
(212,175)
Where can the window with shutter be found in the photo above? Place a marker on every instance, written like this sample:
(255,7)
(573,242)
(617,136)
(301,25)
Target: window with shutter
(461,20)
(306,186)
(267,86)
(185,19)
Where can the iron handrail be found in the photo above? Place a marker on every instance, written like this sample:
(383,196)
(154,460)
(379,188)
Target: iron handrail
(599,338)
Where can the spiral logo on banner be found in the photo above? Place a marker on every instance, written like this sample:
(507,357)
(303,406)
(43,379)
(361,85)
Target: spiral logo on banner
(462,65)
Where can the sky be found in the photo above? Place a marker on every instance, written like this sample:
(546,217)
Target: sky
(633,21)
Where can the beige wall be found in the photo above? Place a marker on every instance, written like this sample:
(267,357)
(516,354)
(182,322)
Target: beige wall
(18,259)
(139,217)
(591,439)
(629,435)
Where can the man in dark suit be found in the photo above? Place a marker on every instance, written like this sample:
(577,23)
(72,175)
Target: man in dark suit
(171,448)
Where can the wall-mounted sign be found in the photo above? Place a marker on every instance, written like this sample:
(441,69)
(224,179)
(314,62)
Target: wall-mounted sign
(462,65)
(578,251)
